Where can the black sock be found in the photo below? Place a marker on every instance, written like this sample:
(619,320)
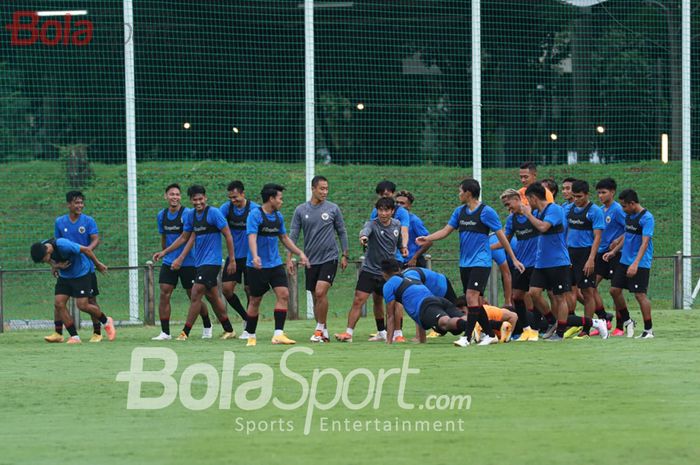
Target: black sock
(165,326)
(618,321)
(550,318)
(251,323)
(521,311)
(96,328)
(235,302)
(472,318)
(574,320)
(206,321)
(401,323)
(187,329)
(226,324)
(647,324)
(280,318)
(587,323)
(381,326)
(561,328)
(58,326)
(601,313)
(102,318)
(484,321)
(71,330)
(624,314)
(462,326)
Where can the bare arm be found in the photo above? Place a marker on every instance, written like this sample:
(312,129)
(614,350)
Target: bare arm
(231,268)
(506,246)
(177,243)
(291,246)
(94,241)
(390,321)
(253,247)
(436,236)
(99,266)
(541,226)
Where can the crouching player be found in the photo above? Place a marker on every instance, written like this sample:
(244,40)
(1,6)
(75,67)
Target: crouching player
(502,320)
(427,310)
(74,280)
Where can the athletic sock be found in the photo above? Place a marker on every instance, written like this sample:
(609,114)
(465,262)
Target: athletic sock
(397,333)
(647,324)
(521,311)
(587,323)
(462,326)
(96,328)
(235,302)
(561,328)
(58,327)
(320,326)
(165,326)
(102,318)
(601,313)
(381,326)
(550,318)
(71,330)
(483,320)
(349,331)
(618,321)
(472,318)
(226,324)
(251,323)
(624,314)
(401,323)
(574,320)
(280,318)
(206,321)
(187,329)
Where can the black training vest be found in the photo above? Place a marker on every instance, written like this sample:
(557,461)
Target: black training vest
(632,225)
(524,231)
(201,226)
(579,220)
(173,226)
(417,270)
(558,229)
(269,227)
(56,256)
(405,284)
(472,221)
(238,222)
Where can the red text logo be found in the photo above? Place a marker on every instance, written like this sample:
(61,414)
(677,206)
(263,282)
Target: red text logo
(26,31)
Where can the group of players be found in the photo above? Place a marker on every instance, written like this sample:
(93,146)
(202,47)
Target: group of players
(565,250)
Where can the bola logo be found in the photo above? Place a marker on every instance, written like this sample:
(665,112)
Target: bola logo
(396,233)
(325,216)
(608,219)
(25,30)
(81,230)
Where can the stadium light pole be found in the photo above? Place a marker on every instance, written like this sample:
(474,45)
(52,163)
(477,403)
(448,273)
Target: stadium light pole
(685,144)
(132,211)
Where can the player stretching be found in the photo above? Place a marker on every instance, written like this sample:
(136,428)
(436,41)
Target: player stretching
(320,221)
(73,263)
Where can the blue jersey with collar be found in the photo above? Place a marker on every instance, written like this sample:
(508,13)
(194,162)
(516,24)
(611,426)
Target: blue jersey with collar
(525,247)
(78,232)
(207,245)
(638,226)
(614,218)
(240,236)
(577,238)
(79,263)
(416,229)
(551,245)
(412,298)
(474,250)
(268,248)
(169,225)
(435,282)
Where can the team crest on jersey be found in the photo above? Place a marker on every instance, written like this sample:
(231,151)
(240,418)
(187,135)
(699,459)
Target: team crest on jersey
(81,230)
(325,216)
(396,233)
(608,219)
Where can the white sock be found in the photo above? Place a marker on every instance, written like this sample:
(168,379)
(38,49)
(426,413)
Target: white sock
(349,331)
(397,333)
(382,333)
(325,332)
(278,332)
(320,326)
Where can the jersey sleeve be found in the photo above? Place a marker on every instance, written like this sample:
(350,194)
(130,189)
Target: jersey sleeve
(283,230)
(57,229)
(554,215)
(402,216)
(339,224)
(454,219)
(389,289)
(159,220)
(188,220)
(595,215)
(366,229)
(92,227)
(253,221)
(295,228)
(215,217)
(67,247)
(373,215)
(490,218)
(224,208)
(418,227)
(619,218)
(647,223)
(509,225)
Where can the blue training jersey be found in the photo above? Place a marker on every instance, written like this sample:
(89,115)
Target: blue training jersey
(525,246)
(416,229)
(207,231)
(268,232)
(474,231)
(79,263)
(435,282)
(240,235)
(78,232)
(638,226)
(172,225)
(412,299)
(614,218)
(577,238)
(551,245)
(497,255)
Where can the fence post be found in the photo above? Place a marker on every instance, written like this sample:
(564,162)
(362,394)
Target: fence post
(358,265)
(149,317)
(678,280)
(428,261)
(2,306)
(293,291)
(493,285)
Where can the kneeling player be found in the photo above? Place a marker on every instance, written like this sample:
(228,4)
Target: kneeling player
(502,320)
(427,310)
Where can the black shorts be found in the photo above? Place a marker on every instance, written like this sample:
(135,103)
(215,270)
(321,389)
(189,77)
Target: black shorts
(369,283)
(639,283)
(606,269)
(240,274)
(434,308)
(578,256)
(450,293)
(75,287)
(95,290)
(207,275)
(555,279)
(186,275)
(260,281)
(475,278)
(521,281)
(321,272)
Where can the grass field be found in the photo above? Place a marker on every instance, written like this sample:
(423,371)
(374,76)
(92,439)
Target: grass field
(586,402)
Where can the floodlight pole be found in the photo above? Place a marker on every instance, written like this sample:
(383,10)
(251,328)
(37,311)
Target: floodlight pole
(309,112)
(685,144)
(476,90)
(130,107)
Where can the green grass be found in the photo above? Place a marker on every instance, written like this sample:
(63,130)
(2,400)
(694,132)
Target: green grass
(28,214)
(586,402)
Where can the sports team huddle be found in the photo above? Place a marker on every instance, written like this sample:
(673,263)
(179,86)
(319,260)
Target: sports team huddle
(550,257)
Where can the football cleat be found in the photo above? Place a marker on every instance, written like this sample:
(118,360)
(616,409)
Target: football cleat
(628,328)
(231,335)
(462,342)
(182,336)
(343,337)
(646,334)
(506,331)
(251,341)
(572,331)
(54,337)
(282,339)
(162,337)
(74,340)
(207,333)
(110,329)
(96,338)
(317,336)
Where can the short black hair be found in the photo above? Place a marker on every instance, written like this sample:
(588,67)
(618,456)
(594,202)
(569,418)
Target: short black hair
(385,186)
(536,189)
(530,166)
(390,265)
(235,186)
(551,185)
(571,180)
(629,195)
(38,252)
(472,186)
(173,186)
(270,190)
(607,183)
(316,179)
(385,202)
(580,186)
(72,195)
(196,189)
